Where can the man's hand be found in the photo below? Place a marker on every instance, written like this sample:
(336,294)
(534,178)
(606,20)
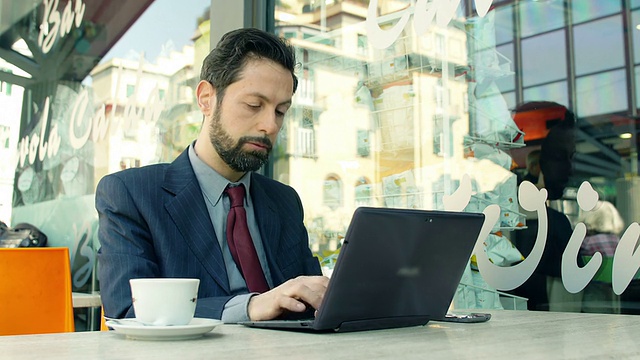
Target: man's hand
(294,296)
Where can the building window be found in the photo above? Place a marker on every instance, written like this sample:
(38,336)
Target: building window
(332,192)
(363,192)
(130,90)
(364,144)
(306,144)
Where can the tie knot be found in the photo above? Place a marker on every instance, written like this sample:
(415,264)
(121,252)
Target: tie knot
(236,195)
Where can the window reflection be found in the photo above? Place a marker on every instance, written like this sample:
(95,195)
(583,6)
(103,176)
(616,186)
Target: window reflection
(506,83)
(539,67)
(363,192)
(540,16)
(583,10)
(602,93)
(332,192)
(557,92)
(505,31)
(637,74)
(635,21)
(606,36)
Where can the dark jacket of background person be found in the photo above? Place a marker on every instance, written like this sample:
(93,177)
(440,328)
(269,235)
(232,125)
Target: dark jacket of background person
(556,152)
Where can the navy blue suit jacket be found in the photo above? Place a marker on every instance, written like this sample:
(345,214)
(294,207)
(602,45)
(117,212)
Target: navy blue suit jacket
(153,222)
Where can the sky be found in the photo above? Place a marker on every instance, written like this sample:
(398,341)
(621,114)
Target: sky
(163,21)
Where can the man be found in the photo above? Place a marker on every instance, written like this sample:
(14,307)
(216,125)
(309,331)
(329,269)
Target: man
(171,220)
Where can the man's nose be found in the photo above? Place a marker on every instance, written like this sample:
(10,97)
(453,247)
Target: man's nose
(269,123)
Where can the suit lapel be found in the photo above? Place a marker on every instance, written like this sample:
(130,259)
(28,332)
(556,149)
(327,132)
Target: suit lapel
(269,225)
(189,212)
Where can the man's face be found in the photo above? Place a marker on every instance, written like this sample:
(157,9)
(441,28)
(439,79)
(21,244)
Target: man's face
(231,151)
(245,124)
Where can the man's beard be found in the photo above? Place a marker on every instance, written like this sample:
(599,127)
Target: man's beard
(232,154)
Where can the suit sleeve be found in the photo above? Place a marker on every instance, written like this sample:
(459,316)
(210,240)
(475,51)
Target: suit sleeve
(127,251)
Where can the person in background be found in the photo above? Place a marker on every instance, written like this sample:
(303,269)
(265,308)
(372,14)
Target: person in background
(172,220)
(533,166)
(544,288)
(604,225)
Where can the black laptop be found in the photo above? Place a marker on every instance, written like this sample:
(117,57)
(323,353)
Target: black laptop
(396,268)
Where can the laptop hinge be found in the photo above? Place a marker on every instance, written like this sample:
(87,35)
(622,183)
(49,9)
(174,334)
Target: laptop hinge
(383,323)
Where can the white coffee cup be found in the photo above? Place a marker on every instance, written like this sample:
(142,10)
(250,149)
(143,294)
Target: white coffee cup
(164,301)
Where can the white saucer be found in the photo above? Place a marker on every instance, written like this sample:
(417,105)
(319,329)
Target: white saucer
(136,331)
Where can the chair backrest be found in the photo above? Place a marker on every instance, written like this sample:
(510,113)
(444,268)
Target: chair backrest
(35,291)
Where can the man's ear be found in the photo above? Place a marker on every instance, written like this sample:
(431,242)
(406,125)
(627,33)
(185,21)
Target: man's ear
(206,97)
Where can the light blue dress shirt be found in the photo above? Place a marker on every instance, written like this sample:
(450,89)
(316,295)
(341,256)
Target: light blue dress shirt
(213,186)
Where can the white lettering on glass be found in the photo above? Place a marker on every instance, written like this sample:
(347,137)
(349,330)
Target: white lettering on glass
(55,26)
(83,240)
(576,278)
(509,278)
(77,140)
(36,147)
(459,199)
(426,11)
(626,259)
(82,127)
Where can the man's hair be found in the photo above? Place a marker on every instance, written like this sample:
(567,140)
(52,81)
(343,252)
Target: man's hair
(223,65)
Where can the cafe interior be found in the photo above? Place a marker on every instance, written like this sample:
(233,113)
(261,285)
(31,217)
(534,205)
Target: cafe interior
(407,104)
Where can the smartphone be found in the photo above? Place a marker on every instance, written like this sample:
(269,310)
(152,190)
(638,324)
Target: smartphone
(466,318)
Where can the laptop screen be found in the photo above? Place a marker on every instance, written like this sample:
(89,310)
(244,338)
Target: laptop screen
(398,267)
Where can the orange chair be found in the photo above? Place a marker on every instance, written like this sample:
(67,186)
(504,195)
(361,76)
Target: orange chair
(103,321)
(35,291)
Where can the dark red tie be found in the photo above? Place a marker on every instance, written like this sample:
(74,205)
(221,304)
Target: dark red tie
(240,243)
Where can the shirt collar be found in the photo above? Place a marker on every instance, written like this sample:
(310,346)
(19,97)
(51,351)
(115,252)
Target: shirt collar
(211,182)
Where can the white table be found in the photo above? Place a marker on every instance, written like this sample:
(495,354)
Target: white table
(85,300)
(508,335)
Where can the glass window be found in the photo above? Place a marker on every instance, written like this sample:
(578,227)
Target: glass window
(510,99)
(550,92)
(111,84)
(602,93)
(635,4)
(637,72)
(544,58)
(504,24)
(583,10)
(635,31)
(606,36)
(540,16)
(507,82)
